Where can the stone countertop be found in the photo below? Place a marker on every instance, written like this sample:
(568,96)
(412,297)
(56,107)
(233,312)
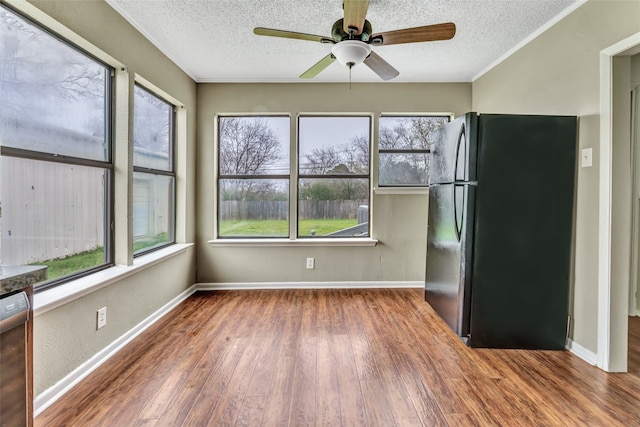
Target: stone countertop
(15,278)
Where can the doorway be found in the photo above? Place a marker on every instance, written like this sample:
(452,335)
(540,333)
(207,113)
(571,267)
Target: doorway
(613,281)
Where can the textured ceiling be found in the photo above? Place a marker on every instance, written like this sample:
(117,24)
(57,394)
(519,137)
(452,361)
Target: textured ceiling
(213,40)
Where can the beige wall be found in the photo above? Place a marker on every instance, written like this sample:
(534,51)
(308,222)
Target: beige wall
(65,337)
(635,70)
(558,73)
(399,221)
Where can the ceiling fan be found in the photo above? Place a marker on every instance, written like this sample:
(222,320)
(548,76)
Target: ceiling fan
(353,37)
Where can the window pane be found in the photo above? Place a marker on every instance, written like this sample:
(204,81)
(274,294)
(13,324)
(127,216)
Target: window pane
(54,97)
(333,207)
(254,145)
(152,131)
(408,133)
(152,211)
(253,207)
(52,214)
(404,168)
(334,145)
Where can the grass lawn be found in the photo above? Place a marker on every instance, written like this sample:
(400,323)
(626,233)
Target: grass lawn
(73,264)
(280,228)
(84,260)
(149,242)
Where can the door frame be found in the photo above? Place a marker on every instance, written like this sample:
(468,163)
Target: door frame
(610,350)
(635,199)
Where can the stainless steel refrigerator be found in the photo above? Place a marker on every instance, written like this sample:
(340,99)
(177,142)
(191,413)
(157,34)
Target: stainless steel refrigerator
(499,238)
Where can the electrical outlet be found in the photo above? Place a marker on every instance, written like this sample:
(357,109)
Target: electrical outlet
(311,263)
(101,318)
(586,158)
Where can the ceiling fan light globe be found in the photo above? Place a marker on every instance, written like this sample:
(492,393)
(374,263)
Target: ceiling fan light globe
(351,52)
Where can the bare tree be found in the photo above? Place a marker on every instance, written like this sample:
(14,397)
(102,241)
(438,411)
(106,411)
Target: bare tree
(44,80)
(407,134)
(412,133)
(152,127)
(320,161)
(351,158)
(248,147)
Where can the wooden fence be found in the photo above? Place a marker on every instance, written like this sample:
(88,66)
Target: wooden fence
(307,209)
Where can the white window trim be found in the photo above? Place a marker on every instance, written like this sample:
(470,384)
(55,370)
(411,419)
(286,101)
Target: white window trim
(301,241)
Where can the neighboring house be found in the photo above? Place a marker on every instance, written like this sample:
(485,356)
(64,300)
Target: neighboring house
(556,73)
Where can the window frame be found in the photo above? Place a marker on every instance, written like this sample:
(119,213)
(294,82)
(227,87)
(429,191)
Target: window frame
(299,176)
(107,165)
(219,176)
(403,187)
(160,172)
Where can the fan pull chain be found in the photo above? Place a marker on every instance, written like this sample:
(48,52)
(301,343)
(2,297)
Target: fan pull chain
(350,67)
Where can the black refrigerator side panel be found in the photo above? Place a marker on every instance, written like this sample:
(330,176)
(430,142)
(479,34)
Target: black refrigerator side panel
(523,231)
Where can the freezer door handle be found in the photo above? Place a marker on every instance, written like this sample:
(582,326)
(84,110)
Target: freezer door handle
(460,166)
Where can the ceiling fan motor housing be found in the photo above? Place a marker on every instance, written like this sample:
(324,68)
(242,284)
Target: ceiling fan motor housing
(338,33)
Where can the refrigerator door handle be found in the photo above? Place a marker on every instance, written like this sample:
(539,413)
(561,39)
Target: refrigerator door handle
(461,156)
(458,209)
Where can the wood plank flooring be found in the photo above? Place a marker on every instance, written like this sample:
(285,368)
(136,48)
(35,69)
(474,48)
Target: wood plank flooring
(369,357)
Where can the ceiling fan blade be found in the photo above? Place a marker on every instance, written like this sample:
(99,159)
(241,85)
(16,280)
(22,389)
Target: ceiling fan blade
(291,35)
(427,33)
(381,67)
(355,11)
(318,66)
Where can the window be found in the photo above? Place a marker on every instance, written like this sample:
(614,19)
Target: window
(403,149)
(253,176)
(55,152)
(333,176)
(154,176)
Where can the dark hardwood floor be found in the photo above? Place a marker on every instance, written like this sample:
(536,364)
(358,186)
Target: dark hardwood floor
(335,357)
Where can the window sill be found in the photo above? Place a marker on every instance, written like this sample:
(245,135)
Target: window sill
(401,190)
(296,242)
(55,297)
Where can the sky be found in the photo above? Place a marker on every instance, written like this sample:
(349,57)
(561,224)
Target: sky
(318,132)
(325,131)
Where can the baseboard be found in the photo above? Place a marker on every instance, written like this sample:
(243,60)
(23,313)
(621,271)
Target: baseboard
(583,353)
(49,396)
(307,285)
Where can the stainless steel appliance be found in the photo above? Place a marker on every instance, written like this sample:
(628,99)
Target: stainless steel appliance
(16,400)
(500,219)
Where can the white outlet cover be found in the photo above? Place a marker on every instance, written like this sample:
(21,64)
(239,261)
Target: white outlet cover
(101,318)
(586,158)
